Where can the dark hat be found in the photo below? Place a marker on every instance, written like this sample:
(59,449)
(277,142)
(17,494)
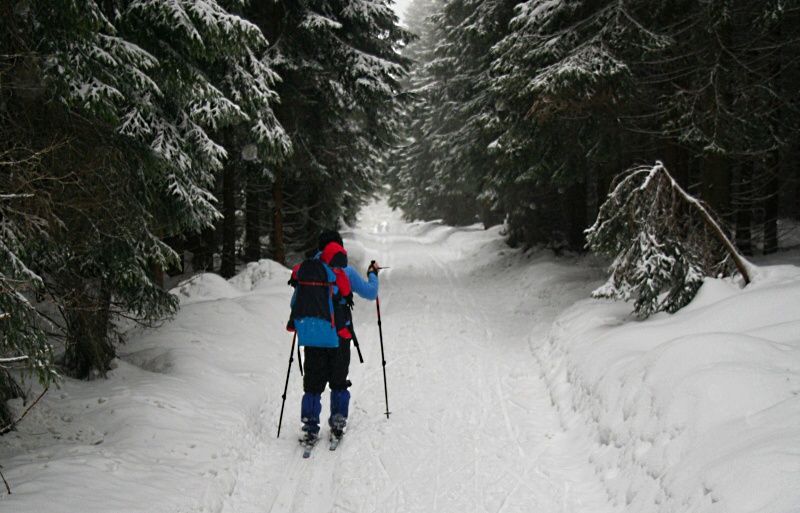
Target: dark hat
(328,236)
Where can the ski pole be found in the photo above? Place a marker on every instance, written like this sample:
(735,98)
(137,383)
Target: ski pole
(299,358)
(286,386)
(355,343)
(383,357)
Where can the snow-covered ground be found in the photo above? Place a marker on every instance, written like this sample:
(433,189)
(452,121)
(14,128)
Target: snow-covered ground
(509,390)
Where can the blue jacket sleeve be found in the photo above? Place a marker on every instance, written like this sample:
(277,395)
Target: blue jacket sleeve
(366,289)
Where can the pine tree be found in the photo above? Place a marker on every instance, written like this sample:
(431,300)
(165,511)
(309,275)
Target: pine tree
(594,87)
(127,94)
(411,163)
(253,144)
(663,241)
(563,79)
(443,174)
(340,73)
(24,347)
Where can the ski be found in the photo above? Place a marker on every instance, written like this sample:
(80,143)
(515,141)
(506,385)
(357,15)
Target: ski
(336,440)
(308,446)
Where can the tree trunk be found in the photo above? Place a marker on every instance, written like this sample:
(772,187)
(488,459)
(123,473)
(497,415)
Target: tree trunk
(577,212)
(606,172)
(228,267)
(773,161)
(252,223)
(796,201)
(202,247)
(677,161)
(89,349)
(715,178)
(716,184)
(744,209)
(771,205)
(157,271)
(278,248)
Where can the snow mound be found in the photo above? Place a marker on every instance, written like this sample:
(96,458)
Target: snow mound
(201,287)
(691,411)
(260,274)
(712,292)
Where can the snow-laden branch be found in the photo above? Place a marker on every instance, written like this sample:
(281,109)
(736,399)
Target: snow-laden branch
(13,359)
(664,242)
(744,267)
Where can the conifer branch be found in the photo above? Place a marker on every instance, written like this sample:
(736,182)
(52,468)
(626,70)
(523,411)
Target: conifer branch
(741,263)
(663,241)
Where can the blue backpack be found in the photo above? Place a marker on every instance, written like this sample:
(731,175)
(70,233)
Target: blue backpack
(315,293)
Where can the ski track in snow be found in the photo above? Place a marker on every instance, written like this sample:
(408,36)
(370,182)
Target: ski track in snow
(472,425)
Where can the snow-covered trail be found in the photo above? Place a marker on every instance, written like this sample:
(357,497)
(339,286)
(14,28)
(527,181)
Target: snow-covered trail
(693,411)
(472,426)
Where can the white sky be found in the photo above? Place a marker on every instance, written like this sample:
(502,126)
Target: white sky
(400,6)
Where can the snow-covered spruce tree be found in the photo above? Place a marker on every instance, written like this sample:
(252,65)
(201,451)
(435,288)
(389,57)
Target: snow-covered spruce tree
(340,75)
(410,169)
(731,97)
(562,78)
(126,88)
(582,90)
(24,349)
(443,172)
(247,79)
(25,216)
(663,241)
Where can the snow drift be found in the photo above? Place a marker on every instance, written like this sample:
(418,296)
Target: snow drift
(696,411)
(507,395)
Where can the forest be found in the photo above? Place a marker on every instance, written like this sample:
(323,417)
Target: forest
(146,138)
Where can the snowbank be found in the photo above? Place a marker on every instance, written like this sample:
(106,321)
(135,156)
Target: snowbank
(169,428)
(692,412)
(696,411)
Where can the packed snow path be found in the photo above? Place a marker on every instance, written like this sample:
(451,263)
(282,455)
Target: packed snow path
(472,425)
(694,411)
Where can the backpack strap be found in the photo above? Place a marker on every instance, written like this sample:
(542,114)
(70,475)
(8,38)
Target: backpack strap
(330,285)
(317,283)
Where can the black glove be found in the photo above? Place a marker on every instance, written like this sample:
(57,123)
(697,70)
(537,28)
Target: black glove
(373,268)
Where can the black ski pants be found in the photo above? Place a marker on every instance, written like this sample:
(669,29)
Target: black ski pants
(326,366)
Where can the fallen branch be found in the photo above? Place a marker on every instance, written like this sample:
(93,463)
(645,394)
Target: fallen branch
(739,261)
(19,419)
(8,488)
(11,426)
(664,242)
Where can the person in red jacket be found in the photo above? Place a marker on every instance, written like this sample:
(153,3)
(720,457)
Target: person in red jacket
(336,257)
(326,365)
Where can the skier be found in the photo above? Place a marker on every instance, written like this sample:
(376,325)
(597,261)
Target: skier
(330,365)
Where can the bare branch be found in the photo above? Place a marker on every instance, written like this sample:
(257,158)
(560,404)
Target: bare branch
(741,263)
(19,419)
